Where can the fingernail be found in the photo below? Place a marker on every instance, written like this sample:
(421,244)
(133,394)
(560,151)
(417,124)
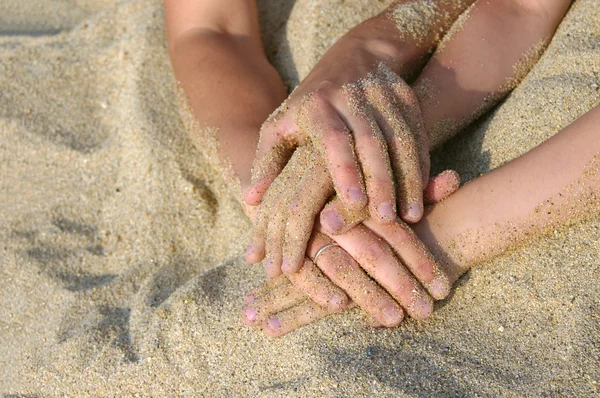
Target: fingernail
(249,250)
(274,323)
(285,266)
(385,210)
(391,315)
(355,193)
(336,302)
(414,211)
(422,308)
(439,288)
(268,264)
(248,299)
(250,313)
(333,220)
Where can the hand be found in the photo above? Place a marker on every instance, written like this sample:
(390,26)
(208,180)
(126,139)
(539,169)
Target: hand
(352,114)
(377,258)
(385,291)
(284,222)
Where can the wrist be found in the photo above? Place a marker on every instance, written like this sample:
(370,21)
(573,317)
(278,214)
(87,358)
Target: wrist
(379,36)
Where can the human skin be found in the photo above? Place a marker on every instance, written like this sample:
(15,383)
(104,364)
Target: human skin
(487,54)
(451,88)
(218,60)
(554,184)
(208,43)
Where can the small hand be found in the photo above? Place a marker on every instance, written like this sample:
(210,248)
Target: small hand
(360,115)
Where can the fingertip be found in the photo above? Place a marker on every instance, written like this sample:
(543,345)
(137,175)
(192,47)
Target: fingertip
(254,254)
(355,198)
(441,186)
(249,298)
(422,308)
(289,267)
(385,213)
(272,268)
(272,327)
(413,213)
(249,316)
(331,220)
(254,194)
(338,302)
(392,316)
(440,288)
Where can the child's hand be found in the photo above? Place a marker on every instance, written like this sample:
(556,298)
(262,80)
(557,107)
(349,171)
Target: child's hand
(365,122)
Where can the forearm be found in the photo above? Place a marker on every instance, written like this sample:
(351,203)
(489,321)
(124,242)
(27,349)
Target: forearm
(485,55)
(407,32)
(231,88)
(237,18)
(555,183)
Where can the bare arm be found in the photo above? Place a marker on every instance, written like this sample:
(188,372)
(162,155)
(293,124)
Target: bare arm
(217,56)
(554,184)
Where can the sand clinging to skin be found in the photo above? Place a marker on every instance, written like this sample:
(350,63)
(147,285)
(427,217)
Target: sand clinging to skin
(121,247)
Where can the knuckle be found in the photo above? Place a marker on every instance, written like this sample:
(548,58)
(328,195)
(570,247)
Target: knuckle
(373,251)
(425,267)
(382,185)
(335,137)
(321,96)
(403,288)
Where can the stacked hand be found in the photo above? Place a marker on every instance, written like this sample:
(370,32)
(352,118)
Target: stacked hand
(383,268)
(356,133)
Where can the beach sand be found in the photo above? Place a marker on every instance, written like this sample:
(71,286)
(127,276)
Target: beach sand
(120,258)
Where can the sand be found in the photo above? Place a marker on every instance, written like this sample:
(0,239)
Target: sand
(121,248)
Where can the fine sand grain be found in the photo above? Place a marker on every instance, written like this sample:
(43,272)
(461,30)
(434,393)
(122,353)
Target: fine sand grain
(120,257)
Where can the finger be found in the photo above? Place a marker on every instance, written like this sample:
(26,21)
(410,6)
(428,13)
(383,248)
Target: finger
(278,299)
(344,272)
(256,250)
(379,261)
(278,139)
(286,321)
(415,256)
(441,186)
(310,280)
(275,201)
(266,287)
(403,153)
(408,104)
(372,153)
(336,219)
(311,195)
(330,135)
(274,241)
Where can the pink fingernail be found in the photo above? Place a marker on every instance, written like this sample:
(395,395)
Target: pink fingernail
(414,211)
(250,313)
(422,307)
(285,266)
(385,210)
(268,264)
(274,323)
(249,250)
(336,302)
(333,220)
(248,299)
(391,314)
(439,288)
(355,193)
